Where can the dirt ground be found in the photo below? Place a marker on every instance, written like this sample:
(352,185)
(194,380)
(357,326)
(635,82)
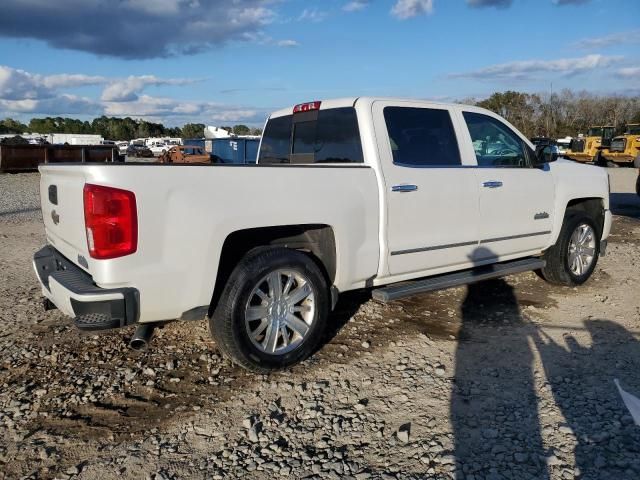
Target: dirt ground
(507,379)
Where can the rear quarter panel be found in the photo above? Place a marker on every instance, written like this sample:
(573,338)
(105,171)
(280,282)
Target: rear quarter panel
(186,212)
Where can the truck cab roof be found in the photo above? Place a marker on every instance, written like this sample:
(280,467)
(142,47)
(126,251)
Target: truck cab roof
(351,102)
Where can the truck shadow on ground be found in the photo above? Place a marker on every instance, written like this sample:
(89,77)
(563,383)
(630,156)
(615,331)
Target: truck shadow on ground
(499,416)
(625,204)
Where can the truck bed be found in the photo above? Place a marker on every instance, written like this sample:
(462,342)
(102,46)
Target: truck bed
(186,212)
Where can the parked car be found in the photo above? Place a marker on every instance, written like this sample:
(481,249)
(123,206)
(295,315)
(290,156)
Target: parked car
(158,148)
(139,151)
(186,154)
(122,147)
(360,193)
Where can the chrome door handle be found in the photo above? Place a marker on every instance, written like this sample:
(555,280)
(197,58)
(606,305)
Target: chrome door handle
(492,184)
(404,188)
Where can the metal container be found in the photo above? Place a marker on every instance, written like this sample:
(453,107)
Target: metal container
(193,142)
(24,158)
(235,150)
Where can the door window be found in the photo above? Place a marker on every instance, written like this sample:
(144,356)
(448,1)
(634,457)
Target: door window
(421,137)
(495,144)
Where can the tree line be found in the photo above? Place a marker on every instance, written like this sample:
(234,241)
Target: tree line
(113,128)
(566,113)
(552,115)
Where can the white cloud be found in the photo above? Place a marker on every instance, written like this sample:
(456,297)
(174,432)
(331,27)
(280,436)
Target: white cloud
(287,43)
(404,9)
(128,89)
(356,5)
(59,105)
(24,93)
(629,73)
(618,38)
(20,85)
(312,15)
(66,80)
(160,107)
(523,69)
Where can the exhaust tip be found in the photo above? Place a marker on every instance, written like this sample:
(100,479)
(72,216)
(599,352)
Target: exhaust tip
(138,344)
(142,337)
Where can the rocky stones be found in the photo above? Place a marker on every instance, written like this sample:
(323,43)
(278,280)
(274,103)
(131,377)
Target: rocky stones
(490,433)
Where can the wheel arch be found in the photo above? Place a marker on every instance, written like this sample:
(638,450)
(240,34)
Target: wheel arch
(317,240)
(594,206)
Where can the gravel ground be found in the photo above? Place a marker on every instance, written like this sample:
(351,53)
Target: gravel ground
(20,200)
(508,379)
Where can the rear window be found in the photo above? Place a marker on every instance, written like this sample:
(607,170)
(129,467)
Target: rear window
(325,136)
(421,137)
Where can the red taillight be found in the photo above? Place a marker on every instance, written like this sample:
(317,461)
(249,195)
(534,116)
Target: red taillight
(307,107)
(111,221)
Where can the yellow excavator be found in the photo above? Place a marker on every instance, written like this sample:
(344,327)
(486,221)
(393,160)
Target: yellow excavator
(591,147)
(625,148)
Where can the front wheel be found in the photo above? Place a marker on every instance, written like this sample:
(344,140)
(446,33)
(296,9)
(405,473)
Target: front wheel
(273,310)
(573,258)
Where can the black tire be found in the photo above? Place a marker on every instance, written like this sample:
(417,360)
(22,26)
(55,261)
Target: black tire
(638,184)
(599,160)
(227,324)
(557,269)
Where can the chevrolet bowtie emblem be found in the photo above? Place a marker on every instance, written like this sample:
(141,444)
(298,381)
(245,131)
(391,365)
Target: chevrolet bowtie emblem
(55,217)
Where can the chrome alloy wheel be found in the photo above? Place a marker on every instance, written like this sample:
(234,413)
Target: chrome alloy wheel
(582,249)
(279,312)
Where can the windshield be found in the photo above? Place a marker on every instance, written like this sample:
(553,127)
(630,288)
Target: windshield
(595,132)
(634,129)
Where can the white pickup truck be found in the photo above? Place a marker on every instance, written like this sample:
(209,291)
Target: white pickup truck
(395,196)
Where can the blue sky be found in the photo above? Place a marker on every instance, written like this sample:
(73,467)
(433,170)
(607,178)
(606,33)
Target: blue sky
(233,61)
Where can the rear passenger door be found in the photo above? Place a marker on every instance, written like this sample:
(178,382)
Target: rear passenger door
(431,198)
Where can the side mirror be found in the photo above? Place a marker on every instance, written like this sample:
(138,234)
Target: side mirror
(546,154)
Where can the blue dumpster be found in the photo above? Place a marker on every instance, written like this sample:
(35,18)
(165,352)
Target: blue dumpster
(235,150)
(194,142)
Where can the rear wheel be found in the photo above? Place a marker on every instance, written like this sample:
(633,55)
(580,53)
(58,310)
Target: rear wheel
(573,258)
(273,310)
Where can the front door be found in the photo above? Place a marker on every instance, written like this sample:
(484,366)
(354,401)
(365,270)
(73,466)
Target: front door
(431,198)
(516,199)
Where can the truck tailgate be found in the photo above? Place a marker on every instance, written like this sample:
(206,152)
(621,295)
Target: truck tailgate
(63,211)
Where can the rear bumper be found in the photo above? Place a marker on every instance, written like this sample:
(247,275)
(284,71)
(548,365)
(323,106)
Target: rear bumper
(73,291)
